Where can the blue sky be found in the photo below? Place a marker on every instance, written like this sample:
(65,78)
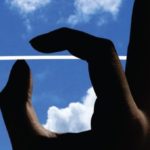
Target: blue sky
(59,82)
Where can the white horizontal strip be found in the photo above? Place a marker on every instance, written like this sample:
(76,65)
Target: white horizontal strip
(123,57)
(36,57)
(61,57)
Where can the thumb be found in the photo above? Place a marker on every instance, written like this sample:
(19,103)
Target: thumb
(19,85)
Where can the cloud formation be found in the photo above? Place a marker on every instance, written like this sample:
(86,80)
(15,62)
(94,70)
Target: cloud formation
(85,9)
(28,6)
(74,118)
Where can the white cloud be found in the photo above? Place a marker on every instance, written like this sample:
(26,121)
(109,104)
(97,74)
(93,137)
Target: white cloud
(84,9)
(27,6)
(74,118)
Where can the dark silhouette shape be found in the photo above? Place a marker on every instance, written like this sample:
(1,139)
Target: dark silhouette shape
(121,115)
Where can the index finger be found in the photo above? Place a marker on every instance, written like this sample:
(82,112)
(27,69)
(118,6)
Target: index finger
(80,44)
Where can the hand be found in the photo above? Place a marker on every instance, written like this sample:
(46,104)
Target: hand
(119,120)
(116,119)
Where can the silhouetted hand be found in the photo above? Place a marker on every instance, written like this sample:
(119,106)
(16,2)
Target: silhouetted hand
(79,44)
(121,113)
(117,123)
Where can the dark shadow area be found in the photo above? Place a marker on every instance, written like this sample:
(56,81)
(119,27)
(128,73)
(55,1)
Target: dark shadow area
(121,113)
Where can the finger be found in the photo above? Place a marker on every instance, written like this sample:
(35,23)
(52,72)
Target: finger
(115,113)
(80,44)
(19,82)
(50,42)
(13,97)
(138,64)
(20,118)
